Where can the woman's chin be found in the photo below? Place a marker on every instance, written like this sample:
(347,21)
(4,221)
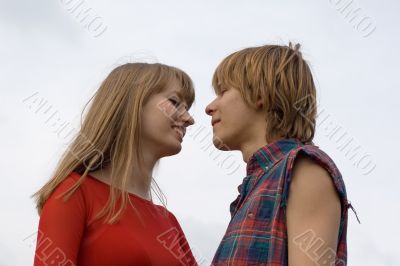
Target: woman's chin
(172,150)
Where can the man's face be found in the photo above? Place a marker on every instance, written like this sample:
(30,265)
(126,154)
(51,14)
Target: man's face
(233,121)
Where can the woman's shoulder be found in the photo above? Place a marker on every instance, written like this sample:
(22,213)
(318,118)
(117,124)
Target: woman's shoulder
(88,182)
(66,184)
(82,192)
(65,201)
(164,211)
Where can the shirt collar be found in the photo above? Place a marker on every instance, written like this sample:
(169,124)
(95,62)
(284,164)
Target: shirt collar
(264,158)
(270,154)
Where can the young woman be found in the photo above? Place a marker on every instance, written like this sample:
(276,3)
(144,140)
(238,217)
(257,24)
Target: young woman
(97,208)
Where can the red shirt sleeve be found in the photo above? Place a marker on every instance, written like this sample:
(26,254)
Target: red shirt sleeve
(188,259)
(61,227)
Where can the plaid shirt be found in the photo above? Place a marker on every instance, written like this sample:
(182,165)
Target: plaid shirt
(257,233)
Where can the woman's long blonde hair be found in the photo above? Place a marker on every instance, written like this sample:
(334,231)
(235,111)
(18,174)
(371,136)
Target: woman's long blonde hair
(110,132)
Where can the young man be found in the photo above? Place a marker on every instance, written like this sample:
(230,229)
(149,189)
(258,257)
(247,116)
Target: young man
(292,206)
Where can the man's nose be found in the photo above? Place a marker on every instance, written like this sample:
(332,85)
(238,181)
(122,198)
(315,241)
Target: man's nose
(210,108)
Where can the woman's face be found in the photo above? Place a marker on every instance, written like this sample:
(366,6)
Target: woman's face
(165,119)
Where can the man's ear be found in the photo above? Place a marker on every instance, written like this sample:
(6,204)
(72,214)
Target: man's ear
(260,103)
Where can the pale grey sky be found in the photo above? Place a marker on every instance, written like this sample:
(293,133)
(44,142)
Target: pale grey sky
(48,53)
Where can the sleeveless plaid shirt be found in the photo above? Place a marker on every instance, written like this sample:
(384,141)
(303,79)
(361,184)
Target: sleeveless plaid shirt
(257,232)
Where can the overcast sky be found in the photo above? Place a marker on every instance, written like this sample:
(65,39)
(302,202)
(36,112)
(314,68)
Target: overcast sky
(49,52)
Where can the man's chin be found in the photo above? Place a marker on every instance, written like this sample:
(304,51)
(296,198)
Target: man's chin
(220,144)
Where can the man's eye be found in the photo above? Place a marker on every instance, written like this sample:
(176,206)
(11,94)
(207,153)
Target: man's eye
(174,102)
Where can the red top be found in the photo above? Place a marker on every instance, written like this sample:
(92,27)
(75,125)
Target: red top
(68,235)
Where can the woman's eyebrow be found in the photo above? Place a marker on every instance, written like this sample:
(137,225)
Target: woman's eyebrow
(181,97)
(179,94)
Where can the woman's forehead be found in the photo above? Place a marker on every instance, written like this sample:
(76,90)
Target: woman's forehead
(183,91)
(174,88)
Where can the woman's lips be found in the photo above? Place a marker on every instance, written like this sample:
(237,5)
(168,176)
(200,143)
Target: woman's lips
(179,133)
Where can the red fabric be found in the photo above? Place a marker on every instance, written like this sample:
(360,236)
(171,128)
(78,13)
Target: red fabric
(68,235)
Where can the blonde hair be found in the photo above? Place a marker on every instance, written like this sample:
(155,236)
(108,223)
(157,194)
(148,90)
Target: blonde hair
(110,132)
(281,79)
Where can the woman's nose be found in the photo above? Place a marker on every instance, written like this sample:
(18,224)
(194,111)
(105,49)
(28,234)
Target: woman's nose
(188,119)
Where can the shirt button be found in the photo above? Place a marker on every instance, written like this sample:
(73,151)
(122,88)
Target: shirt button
(250,215)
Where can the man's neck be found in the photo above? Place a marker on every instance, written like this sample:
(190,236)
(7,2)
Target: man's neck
(250,148)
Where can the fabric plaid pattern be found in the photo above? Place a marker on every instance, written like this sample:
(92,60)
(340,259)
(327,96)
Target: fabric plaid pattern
(257,233)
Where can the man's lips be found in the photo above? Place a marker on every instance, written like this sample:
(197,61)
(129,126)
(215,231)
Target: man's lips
(215,122)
